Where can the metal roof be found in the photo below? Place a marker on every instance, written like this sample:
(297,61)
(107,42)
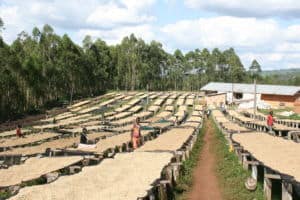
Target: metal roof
(249,88)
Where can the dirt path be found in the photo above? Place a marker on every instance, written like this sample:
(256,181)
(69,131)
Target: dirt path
(205,183)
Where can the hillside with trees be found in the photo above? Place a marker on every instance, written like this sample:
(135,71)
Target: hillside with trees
(42,69)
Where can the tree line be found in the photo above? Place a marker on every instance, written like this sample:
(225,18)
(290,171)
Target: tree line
(42,69)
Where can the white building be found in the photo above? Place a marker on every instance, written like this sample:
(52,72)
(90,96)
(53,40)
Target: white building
(275,95)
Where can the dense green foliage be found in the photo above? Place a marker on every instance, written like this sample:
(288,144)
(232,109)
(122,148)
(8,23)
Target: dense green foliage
(284,77)
(43,69)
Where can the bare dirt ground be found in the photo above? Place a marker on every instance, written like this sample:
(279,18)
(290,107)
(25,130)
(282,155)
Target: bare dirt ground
(30,120)
(205,182)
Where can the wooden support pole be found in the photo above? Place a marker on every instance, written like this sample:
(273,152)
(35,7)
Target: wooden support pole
(254,172)
(268,177)
(187,151)
(180,156)
(239,154)
(167,173)
(287,191)
(176,167)
(268,188)
(164,190)
(245,160)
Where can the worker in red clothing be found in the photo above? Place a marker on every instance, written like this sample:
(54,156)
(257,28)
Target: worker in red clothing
(18,131)
(270,122)
(136,133)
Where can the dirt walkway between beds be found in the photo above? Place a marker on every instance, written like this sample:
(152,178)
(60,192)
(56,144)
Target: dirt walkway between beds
(205,181)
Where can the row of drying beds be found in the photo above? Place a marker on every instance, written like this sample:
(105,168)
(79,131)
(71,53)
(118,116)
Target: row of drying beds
(30,131)
(287,134)
(286,122)
(12,133)
(94,157)
(290,133)
(36,142)
(119,148)
(47,139)
(119,116)
(163,187)
(16,159)
(31,143)
(60,128)
(102,106)
(7,160)
(290,187)
(88,158)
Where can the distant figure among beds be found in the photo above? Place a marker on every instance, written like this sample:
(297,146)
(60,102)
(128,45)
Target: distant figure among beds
(83,136)
(19,131)
(136,133)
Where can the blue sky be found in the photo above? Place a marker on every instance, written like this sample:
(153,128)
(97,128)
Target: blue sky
(266,30)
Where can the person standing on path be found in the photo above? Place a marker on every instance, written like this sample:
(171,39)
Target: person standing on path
(270,122)
(136,133)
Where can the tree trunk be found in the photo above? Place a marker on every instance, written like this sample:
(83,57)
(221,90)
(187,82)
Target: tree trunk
(133,77)
(72,92)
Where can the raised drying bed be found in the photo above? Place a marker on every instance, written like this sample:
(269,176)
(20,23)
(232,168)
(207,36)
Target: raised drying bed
(269,158)
(101,180)
(38,166)
(30,140)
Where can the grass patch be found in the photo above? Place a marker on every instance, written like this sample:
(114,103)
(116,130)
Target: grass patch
(186,176)
(38,181)
(230,172)
(4,195)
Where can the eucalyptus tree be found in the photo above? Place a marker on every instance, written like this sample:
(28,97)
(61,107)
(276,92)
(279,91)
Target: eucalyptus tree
(97,67)
(70,62)
(176,69)
(153,68)
(255,65)
(11,98)
(236,70)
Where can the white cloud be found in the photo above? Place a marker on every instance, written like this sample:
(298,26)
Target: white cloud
(113,14)
(12,22)
(73,15)
(293,33)
(272,60)
(262,8)
(115,36)
(138,4)
(261,39)
(223,32)
(288,47)
(24,15)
